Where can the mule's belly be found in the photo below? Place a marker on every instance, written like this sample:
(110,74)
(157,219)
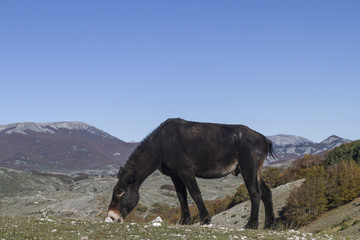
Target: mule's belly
(218,171)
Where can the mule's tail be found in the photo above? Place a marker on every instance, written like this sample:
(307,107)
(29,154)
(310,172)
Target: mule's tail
(271,151)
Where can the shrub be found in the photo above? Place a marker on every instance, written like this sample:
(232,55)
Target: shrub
(307,201)
(81,176)
(240,196)
(273,177)
(159,208)
(298,169)
(141,208)
(214,207)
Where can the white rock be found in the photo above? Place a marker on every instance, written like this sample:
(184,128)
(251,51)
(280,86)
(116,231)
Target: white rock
(157,220)
(108,219)
(156,224)
(207,225)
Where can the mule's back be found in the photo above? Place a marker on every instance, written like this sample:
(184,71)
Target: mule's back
(212,150)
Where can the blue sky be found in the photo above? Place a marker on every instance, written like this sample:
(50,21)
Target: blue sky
(290,67)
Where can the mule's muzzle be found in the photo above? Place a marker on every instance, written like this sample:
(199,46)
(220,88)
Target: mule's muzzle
(115,216)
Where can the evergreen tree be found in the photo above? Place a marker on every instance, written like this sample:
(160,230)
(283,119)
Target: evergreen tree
(348,151)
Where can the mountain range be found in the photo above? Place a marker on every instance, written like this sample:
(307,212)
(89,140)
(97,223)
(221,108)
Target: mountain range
(289,147)
(77,146)
(60,146)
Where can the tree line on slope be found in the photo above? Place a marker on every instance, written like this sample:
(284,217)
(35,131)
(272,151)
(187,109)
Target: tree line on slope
(330,181)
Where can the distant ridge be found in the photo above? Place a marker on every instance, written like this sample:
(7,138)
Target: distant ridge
(283,139)
(290,147)
(51,127)
(60,146)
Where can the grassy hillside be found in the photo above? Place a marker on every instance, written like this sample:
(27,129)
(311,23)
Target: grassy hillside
(44,228)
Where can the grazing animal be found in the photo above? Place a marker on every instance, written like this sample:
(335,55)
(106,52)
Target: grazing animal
(184,150)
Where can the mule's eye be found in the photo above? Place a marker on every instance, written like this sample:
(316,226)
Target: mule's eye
(120,193)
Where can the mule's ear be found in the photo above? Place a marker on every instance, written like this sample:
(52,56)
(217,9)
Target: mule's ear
(130,178)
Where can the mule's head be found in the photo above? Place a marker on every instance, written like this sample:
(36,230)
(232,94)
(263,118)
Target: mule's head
(125,197)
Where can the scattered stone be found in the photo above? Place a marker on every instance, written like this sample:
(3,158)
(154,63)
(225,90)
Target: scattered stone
(156,224)
(157,220)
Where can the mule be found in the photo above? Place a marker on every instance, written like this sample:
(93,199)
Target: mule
(184,150)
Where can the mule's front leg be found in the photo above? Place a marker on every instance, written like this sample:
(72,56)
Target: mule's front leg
(188,178)
(182,196)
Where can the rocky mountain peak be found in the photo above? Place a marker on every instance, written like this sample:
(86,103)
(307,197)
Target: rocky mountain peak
(331,139)
(283,140)
(51,127)
(289,147)
(60,146)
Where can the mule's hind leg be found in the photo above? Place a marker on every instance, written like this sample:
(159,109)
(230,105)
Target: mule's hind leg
(252,185)
(266,197)
(182,196)
(188,178)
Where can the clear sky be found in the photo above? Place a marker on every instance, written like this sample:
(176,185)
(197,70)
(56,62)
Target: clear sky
(290,67)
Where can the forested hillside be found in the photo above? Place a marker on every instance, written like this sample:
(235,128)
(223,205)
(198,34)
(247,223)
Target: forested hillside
(330,181)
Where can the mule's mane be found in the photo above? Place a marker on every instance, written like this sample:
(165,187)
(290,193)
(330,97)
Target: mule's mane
(130,163)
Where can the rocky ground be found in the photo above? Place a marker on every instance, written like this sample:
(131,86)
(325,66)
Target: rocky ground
(26,193)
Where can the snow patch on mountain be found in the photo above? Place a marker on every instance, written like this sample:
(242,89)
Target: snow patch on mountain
(283,140)
(288,147)
(52,127)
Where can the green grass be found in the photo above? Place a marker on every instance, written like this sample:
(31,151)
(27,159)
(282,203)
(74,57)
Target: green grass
(39,228)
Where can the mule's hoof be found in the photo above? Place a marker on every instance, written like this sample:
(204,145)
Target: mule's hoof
(185,221)
(206,220)
(251,226)
(270,226)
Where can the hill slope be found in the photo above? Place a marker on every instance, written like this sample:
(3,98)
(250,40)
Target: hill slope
(344,219)
(60,146)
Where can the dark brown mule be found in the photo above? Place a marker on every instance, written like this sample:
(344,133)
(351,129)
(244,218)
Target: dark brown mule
(184,150)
